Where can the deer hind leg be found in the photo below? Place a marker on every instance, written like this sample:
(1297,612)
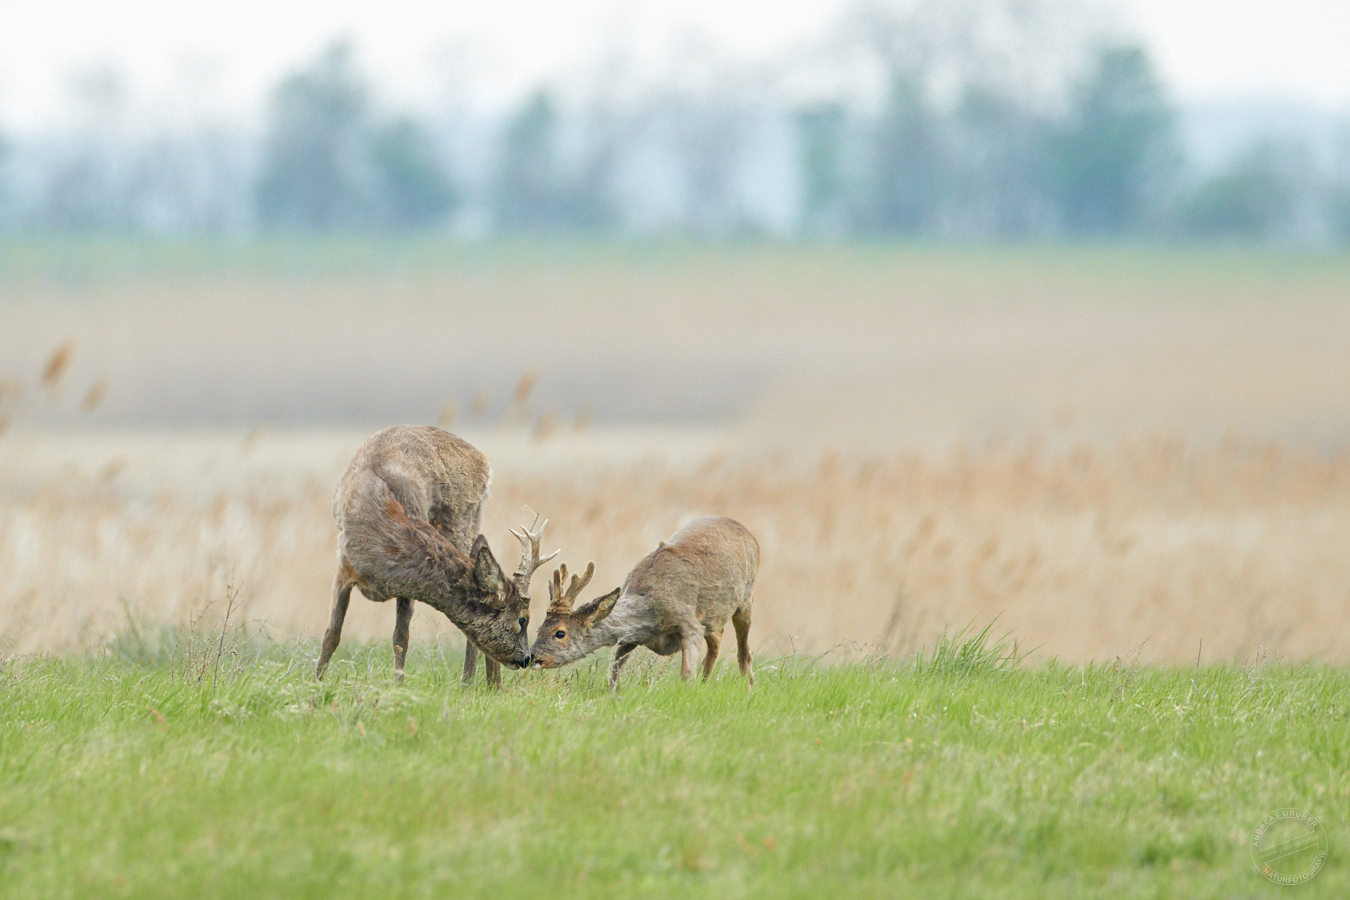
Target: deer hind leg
(402,620)
(741,620)
(342,593)
(620,657)
(470,662)
(714,642)
(492,671)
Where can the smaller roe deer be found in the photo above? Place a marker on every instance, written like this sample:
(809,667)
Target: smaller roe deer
(684,590)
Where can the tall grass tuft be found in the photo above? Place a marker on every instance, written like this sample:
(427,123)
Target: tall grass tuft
(964,653)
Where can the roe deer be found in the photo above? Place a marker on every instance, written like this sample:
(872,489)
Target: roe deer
(684,590)
(407,510)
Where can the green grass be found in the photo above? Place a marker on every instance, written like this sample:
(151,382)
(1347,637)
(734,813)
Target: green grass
(159,769)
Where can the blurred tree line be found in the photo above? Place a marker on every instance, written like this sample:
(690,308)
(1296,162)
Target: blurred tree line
(328,163)
(970,119)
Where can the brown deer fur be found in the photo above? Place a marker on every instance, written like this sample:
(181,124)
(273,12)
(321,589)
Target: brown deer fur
(683,591)
(407,512)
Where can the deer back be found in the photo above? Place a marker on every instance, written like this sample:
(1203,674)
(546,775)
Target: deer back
(435,476)
(707,565)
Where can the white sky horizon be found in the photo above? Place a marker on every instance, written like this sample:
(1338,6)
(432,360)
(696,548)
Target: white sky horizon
(181,57)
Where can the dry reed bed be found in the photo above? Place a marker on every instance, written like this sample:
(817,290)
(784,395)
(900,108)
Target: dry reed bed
(1147,547)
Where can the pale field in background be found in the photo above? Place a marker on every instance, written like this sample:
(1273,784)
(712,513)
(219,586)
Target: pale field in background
(1134,453)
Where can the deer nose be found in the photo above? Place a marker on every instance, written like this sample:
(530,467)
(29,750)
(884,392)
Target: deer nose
(525,663)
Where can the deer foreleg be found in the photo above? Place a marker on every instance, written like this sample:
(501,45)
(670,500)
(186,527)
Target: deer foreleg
(689,641)
(620,657)
(470,662)
(714,642)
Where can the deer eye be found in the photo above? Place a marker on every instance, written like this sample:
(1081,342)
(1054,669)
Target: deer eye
(523,622)
(560,634)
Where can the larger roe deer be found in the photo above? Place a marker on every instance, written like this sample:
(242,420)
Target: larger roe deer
(407,512)
(682,592)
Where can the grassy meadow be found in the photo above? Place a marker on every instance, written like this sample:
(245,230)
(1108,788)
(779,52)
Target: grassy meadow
(1135,461)
(223,769)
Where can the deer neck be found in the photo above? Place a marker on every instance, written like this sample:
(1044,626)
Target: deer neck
(601,634)
(451,599)
(619,627)
(438,576)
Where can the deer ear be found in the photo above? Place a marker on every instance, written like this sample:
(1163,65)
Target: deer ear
(479,544)
(486,572)
(599,608)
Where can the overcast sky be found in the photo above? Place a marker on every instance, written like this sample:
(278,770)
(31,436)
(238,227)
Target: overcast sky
(232,53)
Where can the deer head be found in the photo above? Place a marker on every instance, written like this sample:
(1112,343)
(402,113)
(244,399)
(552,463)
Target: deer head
(566,634)
(494,613)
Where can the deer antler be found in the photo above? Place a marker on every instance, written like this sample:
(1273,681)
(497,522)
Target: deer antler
(529,554)
(561,602)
